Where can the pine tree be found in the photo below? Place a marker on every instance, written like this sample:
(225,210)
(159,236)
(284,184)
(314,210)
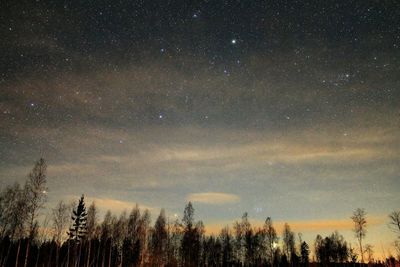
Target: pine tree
(78,229)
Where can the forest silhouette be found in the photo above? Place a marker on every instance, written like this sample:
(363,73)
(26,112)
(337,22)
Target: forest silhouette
(74,236)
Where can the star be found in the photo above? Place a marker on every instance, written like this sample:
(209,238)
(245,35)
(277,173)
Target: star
(233,41)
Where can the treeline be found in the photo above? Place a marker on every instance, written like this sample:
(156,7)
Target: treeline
(74,236)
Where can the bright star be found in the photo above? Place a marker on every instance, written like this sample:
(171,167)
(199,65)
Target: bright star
(233,41)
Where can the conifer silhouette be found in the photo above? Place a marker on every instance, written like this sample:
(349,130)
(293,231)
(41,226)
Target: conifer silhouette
(79,217)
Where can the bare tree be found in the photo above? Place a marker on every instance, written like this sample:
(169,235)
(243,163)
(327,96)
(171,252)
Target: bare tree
(60,217)
(119,231)
(91,224)
(397,248)
(131,244)
(360,224)
(288,241)
(13,217)
(36,193)
(12,211)
(370,252)
(227,248)
(159,239)
(240,230)
(43,235)
(271,239)
(144,226)
(394,223)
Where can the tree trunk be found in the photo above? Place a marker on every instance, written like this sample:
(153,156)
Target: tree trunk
(57,255)
(361,251)
(104,255)
(109,254)
(18,249)
(88,254)
(4,261)
(98,253)
(27,252)
(79,255)
(51,254)
(37,257)
(68,253)
(2,252)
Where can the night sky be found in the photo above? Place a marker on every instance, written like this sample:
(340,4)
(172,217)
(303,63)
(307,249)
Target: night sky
(288,109)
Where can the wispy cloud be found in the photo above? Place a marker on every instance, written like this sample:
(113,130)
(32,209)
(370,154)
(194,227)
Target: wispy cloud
(213,198)
(114,205)
(302,226)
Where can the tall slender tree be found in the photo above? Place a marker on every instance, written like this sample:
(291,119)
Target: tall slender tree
(191,239)
(394,222)
(13,217)
(288,241)
(304,252)
(78,229)
(144,226)
(369,249)
(394,225)
(227,249)
(91,224)
(271,239)
(159,239)
(60,218)
(36,194)
(241,228)
(360,230)
(131,248)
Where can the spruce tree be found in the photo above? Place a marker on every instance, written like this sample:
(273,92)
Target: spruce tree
(78,229)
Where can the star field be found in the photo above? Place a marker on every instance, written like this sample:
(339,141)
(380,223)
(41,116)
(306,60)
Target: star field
(288,109)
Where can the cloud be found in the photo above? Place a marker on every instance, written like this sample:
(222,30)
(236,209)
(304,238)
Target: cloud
(301,226)
(213,198)
(114,205)
(332,225)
